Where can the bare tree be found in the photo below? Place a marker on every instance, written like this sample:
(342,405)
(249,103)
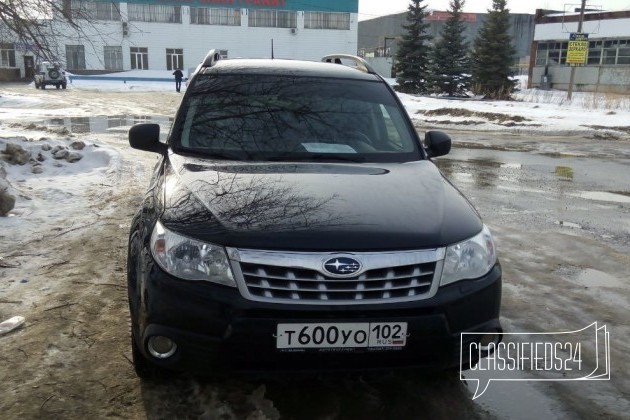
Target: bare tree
(38,24)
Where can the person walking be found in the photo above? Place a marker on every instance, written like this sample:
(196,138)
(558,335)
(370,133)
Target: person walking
(178,79)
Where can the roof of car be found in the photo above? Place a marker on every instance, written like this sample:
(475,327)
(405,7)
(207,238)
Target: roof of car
(287,67)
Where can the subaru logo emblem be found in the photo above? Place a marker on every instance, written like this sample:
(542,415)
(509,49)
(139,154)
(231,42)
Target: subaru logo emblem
(342,266)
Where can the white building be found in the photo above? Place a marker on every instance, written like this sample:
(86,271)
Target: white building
(607,67)
(169,34)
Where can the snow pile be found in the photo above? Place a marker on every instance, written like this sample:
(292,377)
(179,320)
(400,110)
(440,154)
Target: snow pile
(20,156)
(579,100)
(48,176)
(532,112)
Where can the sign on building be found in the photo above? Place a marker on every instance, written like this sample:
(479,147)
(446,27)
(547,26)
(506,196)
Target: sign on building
(435,15)
(23,46)
(577,52)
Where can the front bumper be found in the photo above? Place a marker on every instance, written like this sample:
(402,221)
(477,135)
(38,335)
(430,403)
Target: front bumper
(215,328)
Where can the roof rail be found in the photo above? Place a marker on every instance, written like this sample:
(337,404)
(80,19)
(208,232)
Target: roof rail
(211,58)
(360,63)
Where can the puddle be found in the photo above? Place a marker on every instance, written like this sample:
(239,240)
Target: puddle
(564,223)
(520,189)
(103,123)
(461,177)
(603,196)
(488,163)
(595,278)
(511,166)
(564,172)
(482,172)
(513,395)
(561,155)
(500,148)
(626,193)
(591,278)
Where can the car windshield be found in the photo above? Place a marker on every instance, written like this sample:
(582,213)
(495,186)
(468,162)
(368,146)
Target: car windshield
(262,117)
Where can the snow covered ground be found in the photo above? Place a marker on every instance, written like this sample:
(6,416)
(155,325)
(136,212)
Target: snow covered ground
(532,112)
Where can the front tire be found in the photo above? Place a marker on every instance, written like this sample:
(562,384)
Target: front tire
(43,86)
(58,86)
(63,85)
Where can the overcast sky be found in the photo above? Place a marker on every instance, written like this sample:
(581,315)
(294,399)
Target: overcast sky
(369,9)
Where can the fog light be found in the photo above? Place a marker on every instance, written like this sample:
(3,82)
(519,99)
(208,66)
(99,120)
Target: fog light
(488,342)
(161,347)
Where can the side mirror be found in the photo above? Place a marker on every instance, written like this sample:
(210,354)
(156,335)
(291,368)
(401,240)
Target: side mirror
(438,143)
(146,137)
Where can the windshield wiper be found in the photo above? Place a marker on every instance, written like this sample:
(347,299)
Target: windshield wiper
(318,157)
(227,155)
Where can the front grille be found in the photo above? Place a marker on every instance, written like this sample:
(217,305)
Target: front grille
(296,285)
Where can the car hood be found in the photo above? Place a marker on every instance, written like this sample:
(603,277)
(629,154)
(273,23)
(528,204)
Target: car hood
(315,206)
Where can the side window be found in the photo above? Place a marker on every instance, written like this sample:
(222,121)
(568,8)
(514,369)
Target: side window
(394,138)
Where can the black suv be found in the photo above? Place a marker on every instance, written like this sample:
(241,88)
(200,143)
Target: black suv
(295,221)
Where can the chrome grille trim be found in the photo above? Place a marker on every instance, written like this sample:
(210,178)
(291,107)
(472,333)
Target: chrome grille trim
(298,277)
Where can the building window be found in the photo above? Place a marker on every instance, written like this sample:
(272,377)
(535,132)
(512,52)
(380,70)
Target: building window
(594,53)
(210,16)
(553,57)
(154,13)
(7,55)
(174,58)
(139,58)
(623,56)
(92,10)
(551,53)
(272,19)
(541,54)
(609,52)
(113,58)
(609,56)
(75,57)
(326,20)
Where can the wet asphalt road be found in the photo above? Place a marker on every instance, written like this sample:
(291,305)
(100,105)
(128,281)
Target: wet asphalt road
(576,186)
(559,209)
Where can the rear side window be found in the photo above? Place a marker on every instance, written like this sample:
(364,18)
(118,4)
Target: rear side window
(261,117)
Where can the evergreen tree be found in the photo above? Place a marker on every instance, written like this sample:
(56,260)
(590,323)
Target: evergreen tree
(449,68)
(413,51)
(493,54)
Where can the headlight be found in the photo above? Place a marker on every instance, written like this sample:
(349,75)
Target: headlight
(469,259)
(190,259)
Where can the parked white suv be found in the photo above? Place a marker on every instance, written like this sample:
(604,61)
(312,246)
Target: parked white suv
(47,73)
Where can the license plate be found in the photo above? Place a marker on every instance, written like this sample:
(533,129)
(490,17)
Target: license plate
(341,335)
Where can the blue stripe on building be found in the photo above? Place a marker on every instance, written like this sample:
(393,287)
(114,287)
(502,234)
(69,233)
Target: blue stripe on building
(121,78)
(351,6)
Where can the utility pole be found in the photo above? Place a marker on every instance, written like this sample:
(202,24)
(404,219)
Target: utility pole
(579,30)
